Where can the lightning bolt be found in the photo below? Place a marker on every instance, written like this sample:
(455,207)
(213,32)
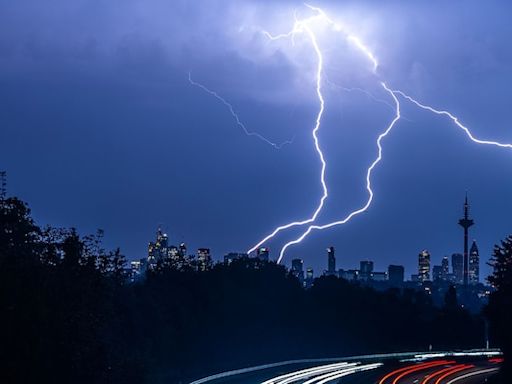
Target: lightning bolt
(368,94)
(368,182)
(236,117)
(301,26)
(454,119)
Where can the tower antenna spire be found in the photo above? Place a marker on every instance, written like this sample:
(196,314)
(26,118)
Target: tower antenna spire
(465,223)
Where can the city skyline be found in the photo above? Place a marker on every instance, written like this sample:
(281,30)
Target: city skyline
(161,249)
(463,269)
(425,269)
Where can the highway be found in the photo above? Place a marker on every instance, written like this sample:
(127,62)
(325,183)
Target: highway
(468,367)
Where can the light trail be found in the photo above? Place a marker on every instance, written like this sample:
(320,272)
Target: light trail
(471,374)
(305,373)
(436,373)
(417,369)
(322,374)
(407,368)
(342,373)
(403,356)
(235,115)
(497,360)
(455,369)
(470,353)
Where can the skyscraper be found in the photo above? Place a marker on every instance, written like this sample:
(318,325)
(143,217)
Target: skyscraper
(465,223)
(474,264)
(445,265)
(458,267)
(263,253)
(163,255)
(437,273)
(233,256)
(204,259)
(366,269)
(158,250)
(424,266)
(298,270)
(183,250)
(396,275)
(331,261)
(309,277)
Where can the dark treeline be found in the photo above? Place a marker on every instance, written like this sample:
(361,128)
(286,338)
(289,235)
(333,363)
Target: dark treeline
(499,310)
(69,315)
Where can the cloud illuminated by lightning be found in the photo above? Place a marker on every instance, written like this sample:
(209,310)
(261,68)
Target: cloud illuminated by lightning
(236,117)
(301,26)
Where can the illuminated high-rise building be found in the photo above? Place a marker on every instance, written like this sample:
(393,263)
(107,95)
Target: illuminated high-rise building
(458,267)
(437,273)
(204,259)
(309,277)
(350,275)
(424,266)
(158,250)
(474,264)
(445,268)
(298,270)
(365,269)
(465,223)
(162,255)
(233,256)
(183,250)
(331,261)
(138,268)
(263,253)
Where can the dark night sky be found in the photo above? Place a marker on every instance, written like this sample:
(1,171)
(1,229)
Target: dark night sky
(100,128)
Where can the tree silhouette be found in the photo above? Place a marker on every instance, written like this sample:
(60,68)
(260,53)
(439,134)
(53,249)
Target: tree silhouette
(499,309)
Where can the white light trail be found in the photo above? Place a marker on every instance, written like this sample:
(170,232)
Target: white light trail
(306,373)
(321,374)
(472,353)
(479,372)
(341,373)
(236,117)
